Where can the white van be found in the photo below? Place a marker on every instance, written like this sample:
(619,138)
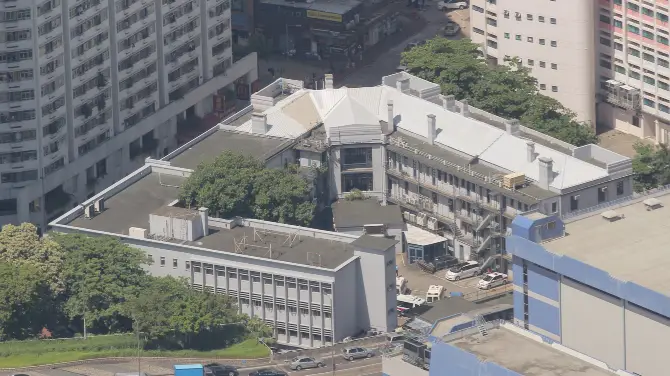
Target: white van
(407,302)
(434,293)
(464,270)
(400,285)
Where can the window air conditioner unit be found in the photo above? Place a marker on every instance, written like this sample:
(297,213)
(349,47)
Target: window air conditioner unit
(89,211)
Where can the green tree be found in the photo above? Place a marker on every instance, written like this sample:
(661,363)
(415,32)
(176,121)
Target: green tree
(506,90)
(236,185)
(651,165)
(170,313)
(22,245)
(26,298)
(100,273)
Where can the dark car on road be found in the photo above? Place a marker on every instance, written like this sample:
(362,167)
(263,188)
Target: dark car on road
(267,372)
(217,369)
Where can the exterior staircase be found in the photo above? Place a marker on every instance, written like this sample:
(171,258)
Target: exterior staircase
(479,321)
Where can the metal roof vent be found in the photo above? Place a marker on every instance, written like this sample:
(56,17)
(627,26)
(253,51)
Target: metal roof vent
(652,204)
(612,216)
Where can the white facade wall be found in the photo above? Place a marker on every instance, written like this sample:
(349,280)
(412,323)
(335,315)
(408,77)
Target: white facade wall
(552,38)
(85,79)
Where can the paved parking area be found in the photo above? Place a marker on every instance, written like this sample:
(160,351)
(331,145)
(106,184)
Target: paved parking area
(418,281)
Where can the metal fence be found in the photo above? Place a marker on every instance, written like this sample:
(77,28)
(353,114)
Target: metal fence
(579,214)
(327,351)
(488,294)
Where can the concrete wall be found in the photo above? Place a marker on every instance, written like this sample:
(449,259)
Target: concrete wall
(588,196)
(345,306)
(629,321)
(376,292)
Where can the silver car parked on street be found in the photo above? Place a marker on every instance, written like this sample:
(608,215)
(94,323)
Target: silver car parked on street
(351,353)
(303,362)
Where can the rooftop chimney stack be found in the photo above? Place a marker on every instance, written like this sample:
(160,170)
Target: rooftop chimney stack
(204,213)
(465,109)
(403,85)
(448,102)
(259,123)
(546,172)
(329,81)
(390,121)
(432,129)
(530,151)
(512,126)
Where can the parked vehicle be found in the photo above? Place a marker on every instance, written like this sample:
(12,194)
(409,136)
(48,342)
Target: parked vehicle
(267,372)
(464,270)
(395,338)
(299,363)
(407,302)
(447,5)
(400,285)
(351,353)
(217,369)
(434,293)
(492,280)
(411,45)
(451,29)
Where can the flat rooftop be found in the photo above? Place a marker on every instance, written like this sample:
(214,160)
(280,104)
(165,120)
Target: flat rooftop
(365,212)
(525,356)
(152,193)
(634,248)
(210,147)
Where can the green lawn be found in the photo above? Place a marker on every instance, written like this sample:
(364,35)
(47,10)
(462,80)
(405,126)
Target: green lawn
(17,354)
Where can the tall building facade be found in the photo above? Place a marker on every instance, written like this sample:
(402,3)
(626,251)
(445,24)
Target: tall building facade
(94,86)
(608,60)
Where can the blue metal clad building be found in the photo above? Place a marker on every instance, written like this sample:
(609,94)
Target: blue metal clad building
(618,322)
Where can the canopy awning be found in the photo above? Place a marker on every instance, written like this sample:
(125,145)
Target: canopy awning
(419,236)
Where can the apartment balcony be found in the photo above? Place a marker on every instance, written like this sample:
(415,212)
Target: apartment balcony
(60,91)
(8,146)
(87,13)
(444,189)
(139,64)
(91,52)
(129,111)
(136,47)
(95,68)
(184,79)
(181,55)
(138,84)
(217,11)
(423,204)
(103,83)
(175,23)
(132,7)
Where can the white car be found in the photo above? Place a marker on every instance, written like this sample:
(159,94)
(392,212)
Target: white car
(492,280)
(446,5)
(464,270)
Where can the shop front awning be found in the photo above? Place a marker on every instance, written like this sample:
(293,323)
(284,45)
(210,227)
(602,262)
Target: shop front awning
(419,236)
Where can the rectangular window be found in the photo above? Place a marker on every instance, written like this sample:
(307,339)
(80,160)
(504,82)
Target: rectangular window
(619,188)
(648,57)
(633,29)
(175,263)
(634,75)
(648,34)
(574,202)
(649,80)
(162,261)
(649,103)
(634,7)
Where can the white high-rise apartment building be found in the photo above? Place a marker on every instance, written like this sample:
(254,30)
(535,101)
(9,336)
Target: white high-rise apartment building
(607,60)
(92,87)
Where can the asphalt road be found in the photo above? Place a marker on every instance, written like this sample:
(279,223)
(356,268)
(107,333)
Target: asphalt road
(371,366)
(371,74)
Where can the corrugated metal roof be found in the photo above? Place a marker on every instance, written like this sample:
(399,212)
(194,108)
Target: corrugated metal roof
(346,107)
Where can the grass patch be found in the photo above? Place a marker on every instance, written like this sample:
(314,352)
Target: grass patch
(16,354)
